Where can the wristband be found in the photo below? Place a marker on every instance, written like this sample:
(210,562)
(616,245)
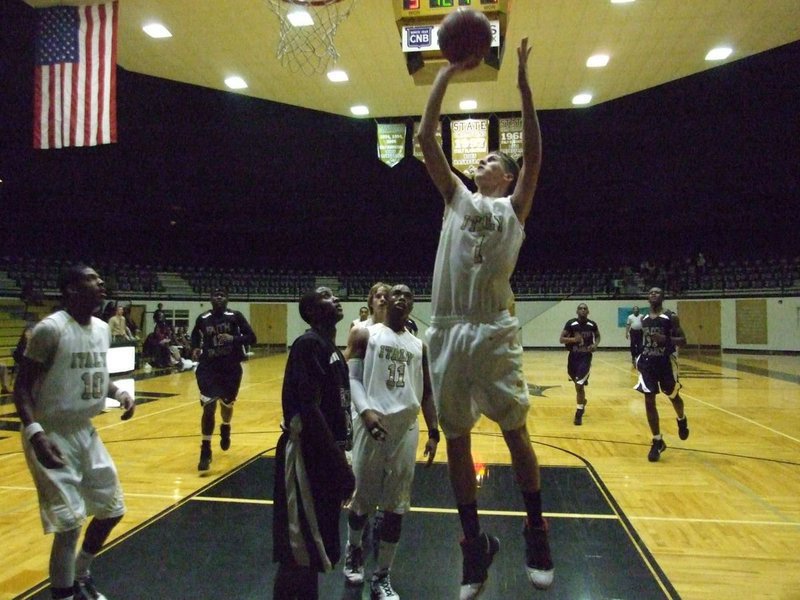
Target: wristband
(32,429)
(434,435)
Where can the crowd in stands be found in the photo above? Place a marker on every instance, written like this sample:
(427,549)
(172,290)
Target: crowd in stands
(691,276)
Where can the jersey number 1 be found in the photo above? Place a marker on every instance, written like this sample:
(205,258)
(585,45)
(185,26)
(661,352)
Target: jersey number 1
(397,374)
(92,385)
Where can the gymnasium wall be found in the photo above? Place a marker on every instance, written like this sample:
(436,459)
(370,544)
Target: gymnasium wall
(542,321)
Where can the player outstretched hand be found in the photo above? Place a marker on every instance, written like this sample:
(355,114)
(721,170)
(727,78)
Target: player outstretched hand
(47,452)
(127,403)
(467,64)
(430,450)
(523,52)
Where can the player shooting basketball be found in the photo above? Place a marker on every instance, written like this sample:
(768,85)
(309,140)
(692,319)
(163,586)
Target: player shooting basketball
(475,358)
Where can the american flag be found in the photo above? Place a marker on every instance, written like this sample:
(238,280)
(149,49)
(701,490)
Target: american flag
(75,96)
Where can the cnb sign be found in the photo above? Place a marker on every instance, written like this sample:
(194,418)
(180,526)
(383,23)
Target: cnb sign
(425,38)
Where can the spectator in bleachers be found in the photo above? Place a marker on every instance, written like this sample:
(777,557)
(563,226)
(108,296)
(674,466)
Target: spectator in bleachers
(700,264)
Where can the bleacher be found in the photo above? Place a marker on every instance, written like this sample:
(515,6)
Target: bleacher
(14,316)
(34,279)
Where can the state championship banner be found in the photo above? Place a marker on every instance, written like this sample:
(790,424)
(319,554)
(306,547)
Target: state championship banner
(511,136)
(417,149)
(470,143)
(391,142)
(75,96)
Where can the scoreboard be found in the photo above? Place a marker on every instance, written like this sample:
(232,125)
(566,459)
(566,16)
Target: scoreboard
(418,23)
(442,7)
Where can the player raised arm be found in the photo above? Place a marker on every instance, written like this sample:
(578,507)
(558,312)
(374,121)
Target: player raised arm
(435,161)
(522,197)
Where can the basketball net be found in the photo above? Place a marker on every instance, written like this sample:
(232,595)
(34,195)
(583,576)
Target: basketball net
(309,49)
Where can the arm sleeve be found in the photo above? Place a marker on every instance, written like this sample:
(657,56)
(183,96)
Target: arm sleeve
(358,393)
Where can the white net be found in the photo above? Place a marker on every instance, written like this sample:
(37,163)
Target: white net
(309,48)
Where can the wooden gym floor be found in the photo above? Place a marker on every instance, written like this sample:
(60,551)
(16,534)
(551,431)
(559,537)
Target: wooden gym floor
(717,517)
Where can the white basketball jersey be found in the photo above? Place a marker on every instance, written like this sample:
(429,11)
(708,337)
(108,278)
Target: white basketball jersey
(478,249)
(393,370)
(75,383)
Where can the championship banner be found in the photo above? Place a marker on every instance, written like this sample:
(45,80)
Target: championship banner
(391,142)
(470,143)
(511,136)
(417,149)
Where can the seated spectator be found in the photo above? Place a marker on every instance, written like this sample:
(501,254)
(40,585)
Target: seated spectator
(158,347)
(4,380)
(131,324)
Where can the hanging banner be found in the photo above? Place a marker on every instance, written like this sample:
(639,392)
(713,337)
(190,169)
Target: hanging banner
(470,139)
(511,136)
(391,142)
(417,149)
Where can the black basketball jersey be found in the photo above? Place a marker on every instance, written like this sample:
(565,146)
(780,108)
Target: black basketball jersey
(588,331)
(663,324)
(210,325)
(316,367)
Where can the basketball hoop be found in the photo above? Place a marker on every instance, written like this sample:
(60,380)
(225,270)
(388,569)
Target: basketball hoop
(309,48)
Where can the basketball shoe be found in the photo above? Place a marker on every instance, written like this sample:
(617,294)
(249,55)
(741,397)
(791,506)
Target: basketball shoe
(225,436)
(380,587)
(655,450)
(578,417)
(354,564)
(478,555)
(683,428)
(205,456)
(538,563)
(83,589)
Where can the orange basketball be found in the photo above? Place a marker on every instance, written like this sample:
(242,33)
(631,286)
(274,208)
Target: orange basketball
(464,34)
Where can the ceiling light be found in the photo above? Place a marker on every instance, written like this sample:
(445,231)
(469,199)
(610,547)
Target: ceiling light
(582,99)
(235,82)
(720,53)
(157,30)
(299,17)
(359,110)
(622,1)
(468,105)
(598,60)
(338,76)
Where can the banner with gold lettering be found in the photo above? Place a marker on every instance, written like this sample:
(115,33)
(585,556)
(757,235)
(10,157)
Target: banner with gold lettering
(511,136)
(470,143)
(391,142)
(417,149)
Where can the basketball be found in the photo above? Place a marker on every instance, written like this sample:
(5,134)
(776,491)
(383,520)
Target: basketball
(463,34)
